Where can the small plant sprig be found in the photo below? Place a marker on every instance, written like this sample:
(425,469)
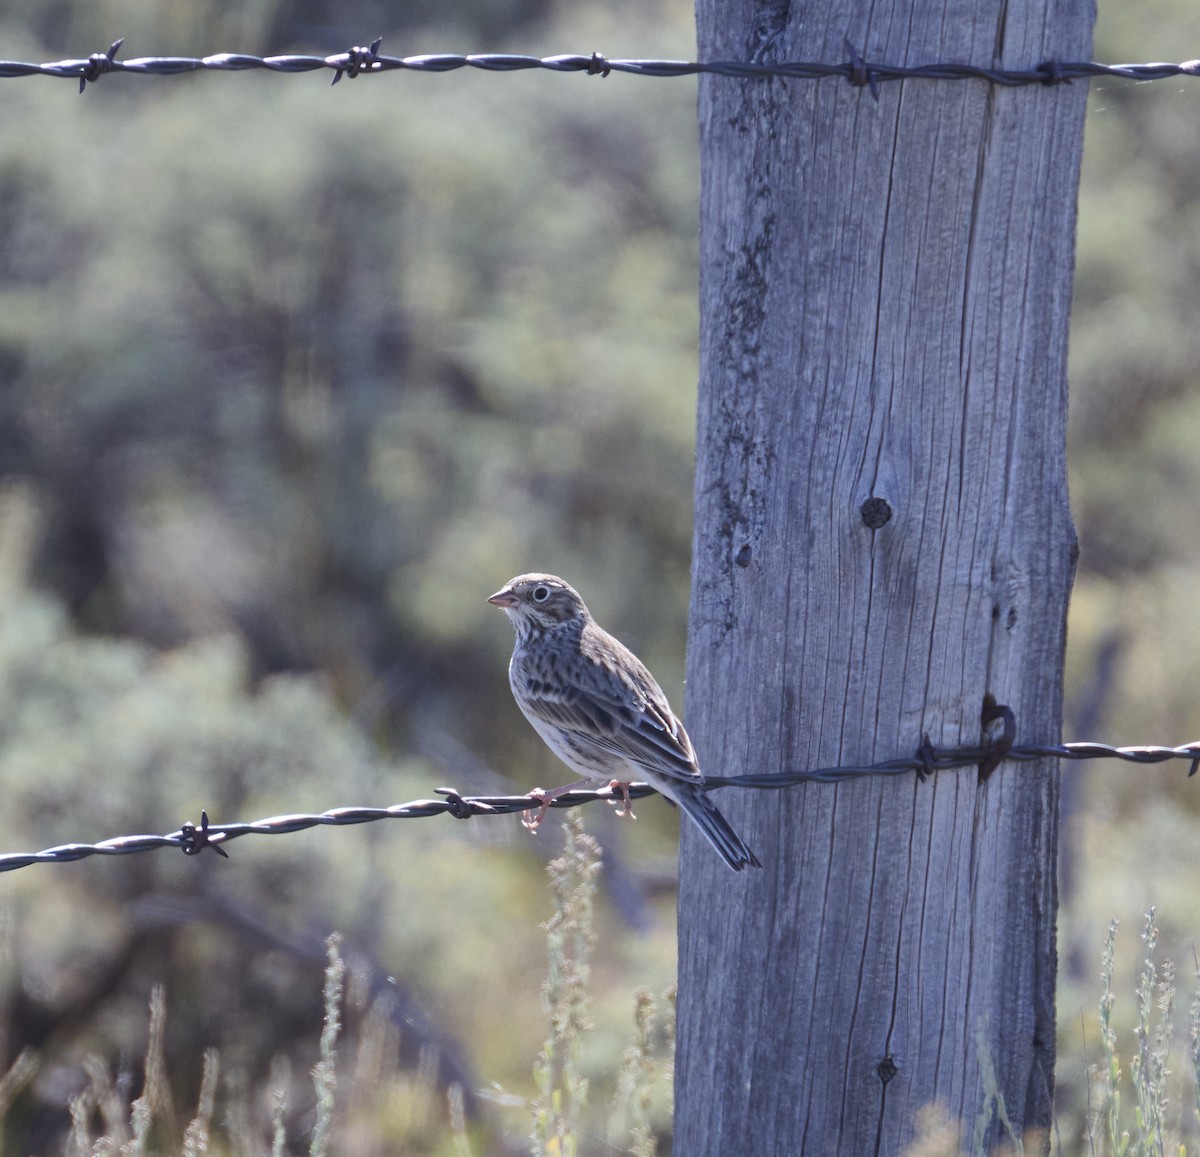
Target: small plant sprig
(1154,992)
(561,1087)
(196,1137)
(1194,1042)
(20,1073)
(642,1068)
(324,1072)
(1149,1066)
(1110,1105)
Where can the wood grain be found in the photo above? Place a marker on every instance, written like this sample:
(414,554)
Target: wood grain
(885,289)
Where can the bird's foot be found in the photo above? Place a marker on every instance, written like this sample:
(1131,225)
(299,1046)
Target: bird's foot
(546,798)
(621,788)
(531,820)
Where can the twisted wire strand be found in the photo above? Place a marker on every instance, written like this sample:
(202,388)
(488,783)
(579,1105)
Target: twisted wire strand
(367,60)
(194,838)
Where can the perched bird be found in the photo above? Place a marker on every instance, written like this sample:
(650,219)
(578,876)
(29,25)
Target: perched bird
(599,710)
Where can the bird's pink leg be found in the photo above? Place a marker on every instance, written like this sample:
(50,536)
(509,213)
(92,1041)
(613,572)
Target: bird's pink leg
(532,822)
(621,787)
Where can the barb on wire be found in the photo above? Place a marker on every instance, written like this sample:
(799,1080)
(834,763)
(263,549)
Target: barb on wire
(192,839)
(360,61)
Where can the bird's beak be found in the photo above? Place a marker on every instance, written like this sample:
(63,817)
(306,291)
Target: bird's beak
(503,598)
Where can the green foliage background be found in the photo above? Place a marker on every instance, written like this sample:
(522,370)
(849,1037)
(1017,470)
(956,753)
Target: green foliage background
(291,378)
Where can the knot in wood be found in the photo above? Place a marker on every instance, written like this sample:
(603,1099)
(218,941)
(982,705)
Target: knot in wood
(876,512)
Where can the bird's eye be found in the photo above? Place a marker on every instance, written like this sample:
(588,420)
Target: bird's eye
(541,594)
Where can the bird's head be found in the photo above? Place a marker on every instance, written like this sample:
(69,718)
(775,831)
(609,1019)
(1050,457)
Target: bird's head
(539,602)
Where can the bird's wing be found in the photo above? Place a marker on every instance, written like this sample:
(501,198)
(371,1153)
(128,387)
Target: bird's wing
(613,712)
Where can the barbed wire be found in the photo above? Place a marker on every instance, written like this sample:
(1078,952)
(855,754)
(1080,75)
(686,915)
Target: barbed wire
(192,839)
(368,60)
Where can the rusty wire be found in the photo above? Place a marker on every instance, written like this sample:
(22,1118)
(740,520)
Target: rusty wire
(192,839)
(366,61)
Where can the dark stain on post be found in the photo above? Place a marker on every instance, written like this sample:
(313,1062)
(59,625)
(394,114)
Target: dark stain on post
(876,512)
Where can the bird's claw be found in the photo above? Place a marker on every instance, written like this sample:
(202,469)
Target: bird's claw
(621,787)
(531,822)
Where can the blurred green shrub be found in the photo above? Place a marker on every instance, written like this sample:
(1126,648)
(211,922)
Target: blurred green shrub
(326,381)
(292,377)
(106,736)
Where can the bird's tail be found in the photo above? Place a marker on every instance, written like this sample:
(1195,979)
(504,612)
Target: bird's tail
(704,813)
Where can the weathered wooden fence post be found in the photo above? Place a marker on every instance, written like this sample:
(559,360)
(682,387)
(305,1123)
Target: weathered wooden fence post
(882,537)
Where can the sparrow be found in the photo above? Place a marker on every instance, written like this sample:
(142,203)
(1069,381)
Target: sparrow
(598,708)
